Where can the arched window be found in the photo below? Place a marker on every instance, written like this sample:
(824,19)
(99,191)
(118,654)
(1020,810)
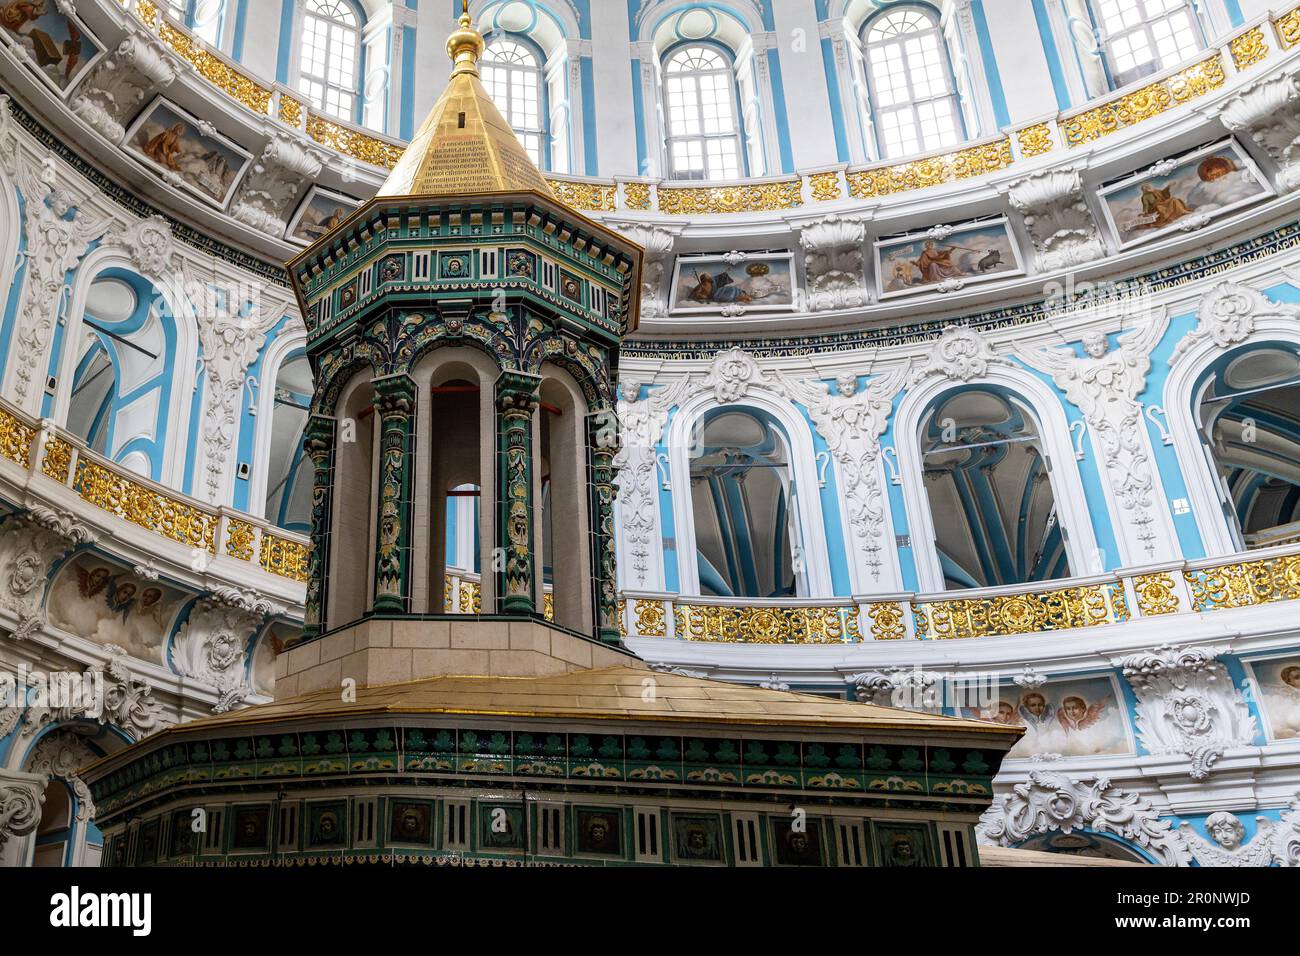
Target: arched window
(703,126)
(353,532)
(990,492)
(289,474)
(741,497)
(565,565)
(119,400)
(913,96)
(55,833)
(1249,415)
(1140,37)
(512,74)
(331,58)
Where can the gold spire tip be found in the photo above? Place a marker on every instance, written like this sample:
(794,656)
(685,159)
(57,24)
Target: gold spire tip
(465,45)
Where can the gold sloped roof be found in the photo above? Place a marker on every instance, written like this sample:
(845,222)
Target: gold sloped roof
(612,693)
(465,146)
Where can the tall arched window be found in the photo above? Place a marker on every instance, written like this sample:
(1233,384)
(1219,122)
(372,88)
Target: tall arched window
(703,126)
(512,74)
(1140,37)
(289,470)
(742,495)
(990,492)
(1249,414)
(120,391)
(909,75)
(331,58)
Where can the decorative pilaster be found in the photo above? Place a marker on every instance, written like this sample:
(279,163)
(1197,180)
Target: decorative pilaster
(318,443)
(602,446)
(516,395)
(395,406)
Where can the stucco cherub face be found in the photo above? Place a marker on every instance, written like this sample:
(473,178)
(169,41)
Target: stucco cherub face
(1095,344)
(846,384)
(1226,829)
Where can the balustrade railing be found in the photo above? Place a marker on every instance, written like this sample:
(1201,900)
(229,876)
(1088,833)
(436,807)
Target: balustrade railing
(44,450)
(1243,580)
(1254,578)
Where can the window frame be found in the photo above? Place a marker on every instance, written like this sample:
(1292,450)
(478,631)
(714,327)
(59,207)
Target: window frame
(951,94)
(739,133)
(357,91)
(545,131)
(1106,41)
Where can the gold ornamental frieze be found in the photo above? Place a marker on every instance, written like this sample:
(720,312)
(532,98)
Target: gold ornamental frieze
(1288,28)
(1000,615)
(1144,103)
(766,624)
(1155,594)
(758,197)
(358,145)
(16,439)
(58,459)
(241,540)
(285,558)
(585,197)
(951,167)
(1249,583)
(144,507)
(1248,48)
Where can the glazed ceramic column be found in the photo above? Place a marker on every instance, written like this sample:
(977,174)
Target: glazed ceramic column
(395,408)
(516,394)
(602,446)
(318,443)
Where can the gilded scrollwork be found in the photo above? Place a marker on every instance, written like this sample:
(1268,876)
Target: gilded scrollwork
(825,187)
(1142,104)
(16,439)
(766,625)
(144,507)
(999,615)
(283,557)
(585,197)
(358,145)
(241,539)
(1246,584)
(886,620)
(1035,140)
(702,200)
(932,171)
(217,71)
(1155,594)
(1288,28)
(650,619)
(1248,48)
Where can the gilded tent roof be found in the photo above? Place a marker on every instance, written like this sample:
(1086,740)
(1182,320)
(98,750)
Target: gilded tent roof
(465,146)
(613,693)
